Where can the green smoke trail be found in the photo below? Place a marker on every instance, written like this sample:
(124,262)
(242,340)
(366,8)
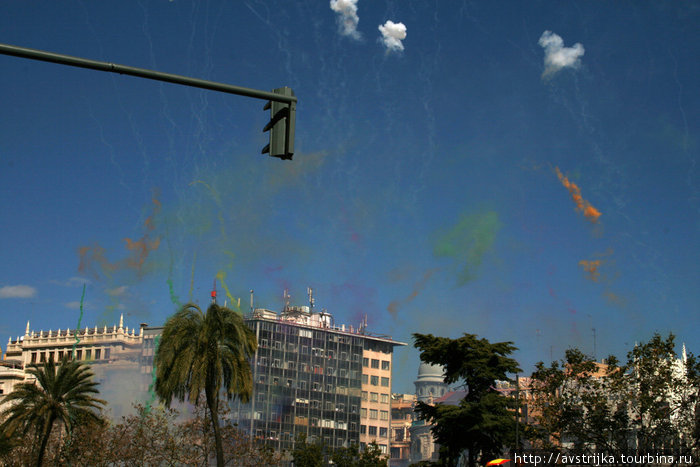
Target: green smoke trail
(77,328)
(467,242)
(151,387)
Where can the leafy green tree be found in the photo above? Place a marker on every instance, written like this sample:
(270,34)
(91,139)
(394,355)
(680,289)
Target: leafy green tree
(351,456)
(576,401)
(650,404)
(63,393)
(209,352)
(483,423)
(307,454)
(665,395)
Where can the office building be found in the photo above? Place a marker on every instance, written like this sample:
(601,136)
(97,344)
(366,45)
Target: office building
(311,376)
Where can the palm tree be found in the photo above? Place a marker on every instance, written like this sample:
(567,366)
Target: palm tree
(205,352)
(62,393)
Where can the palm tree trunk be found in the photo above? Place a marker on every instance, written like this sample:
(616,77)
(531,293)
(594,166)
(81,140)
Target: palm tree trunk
(44,440)
(213,403)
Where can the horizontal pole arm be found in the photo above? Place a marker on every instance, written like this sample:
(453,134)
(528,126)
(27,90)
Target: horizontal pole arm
(44,56)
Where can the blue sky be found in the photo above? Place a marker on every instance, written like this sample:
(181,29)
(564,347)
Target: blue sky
(448,172)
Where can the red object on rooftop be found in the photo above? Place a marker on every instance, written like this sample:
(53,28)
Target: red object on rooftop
(213,294)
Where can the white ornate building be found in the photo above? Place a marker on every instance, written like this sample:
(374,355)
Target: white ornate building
(114,354)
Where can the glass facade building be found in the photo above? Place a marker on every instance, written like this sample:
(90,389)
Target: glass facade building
(307,378)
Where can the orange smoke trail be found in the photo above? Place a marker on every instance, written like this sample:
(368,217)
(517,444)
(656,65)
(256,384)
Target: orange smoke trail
(581,204)
(138,251)
(591,267)
(393,307)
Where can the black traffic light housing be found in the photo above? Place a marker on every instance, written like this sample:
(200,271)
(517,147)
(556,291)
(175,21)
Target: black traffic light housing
(281,126)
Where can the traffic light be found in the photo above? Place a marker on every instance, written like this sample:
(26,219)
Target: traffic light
(281,126)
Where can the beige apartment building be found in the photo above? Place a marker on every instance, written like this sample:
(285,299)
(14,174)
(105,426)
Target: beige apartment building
(375,411)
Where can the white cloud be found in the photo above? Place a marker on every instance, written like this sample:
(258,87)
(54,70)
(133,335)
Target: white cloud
(392,35)
(17,291)
(74,281)
(347,17)
(76,305)
(556,56)
(117,292)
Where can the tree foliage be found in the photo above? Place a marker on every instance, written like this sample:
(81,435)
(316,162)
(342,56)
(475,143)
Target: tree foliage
(205,353)
(316,454)
(650,403)
(157,437)
(483,423)
(63,394)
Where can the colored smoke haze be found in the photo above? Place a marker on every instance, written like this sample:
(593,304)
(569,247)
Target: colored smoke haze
(393,307)
(138,252)
(591,267)
(581,204)
(467,242)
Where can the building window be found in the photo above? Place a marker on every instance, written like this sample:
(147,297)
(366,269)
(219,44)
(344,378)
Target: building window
(385,398)
(374,380)
(98,353)
(343,356)
(373,431)
(353,409)
(384,415)
(385,382)
(382,448)
(261,379)
(60,355)
(373,397)
(33,357)
(365,379)
(353,426)
(373,414)
(343,373)
(302,384)
(263,342)
(276,363)
(363,429)
(78,355)
(88,354)
(363,413)
(263,361)
(107,353)
(364,395)
(385,365)
(375,363)
(305,349)
(365,361)
(382,432)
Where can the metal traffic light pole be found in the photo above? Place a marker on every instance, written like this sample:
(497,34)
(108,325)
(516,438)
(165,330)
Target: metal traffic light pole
(34,54)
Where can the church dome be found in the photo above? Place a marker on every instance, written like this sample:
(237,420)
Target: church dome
(430,373)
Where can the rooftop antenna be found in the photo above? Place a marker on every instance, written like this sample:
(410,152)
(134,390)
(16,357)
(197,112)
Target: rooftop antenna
(213,293)
(286,299)
(594,345)
(251,300)
(310,291)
